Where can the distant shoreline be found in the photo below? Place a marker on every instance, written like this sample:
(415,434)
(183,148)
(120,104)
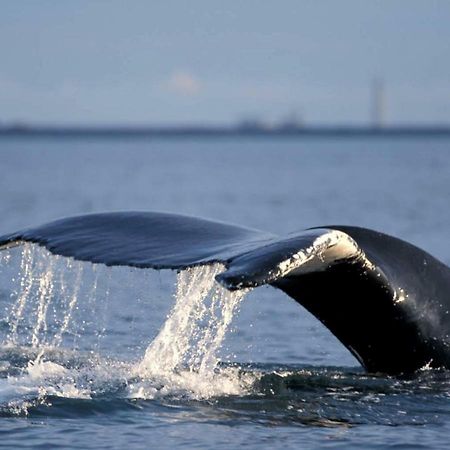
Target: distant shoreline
(210,131)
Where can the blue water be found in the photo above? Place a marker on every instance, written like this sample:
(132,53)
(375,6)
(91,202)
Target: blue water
(283,381)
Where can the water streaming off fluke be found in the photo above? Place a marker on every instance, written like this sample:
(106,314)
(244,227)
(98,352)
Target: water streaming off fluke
(44,298)
(56,318)
(185,350)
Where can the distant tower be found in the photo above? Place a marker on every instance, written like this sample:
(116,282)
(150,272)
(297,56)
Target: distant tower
(378,103)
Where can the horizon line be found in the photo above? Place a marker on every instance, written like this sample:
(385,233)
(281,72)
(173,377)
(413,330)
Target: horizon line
(243,129)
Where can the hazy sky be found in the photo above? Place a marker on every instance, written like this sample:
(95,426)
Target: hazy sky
(163,61)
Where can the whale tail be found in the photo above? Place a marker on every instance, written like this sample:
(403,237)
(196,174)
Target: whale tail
(368,288)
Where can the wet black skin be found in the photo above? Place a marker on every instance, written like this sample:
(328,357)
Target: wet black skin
(357,305)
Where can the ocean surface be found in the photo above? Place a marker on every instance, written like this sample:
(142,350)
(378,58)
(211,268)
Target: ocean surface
(97,357)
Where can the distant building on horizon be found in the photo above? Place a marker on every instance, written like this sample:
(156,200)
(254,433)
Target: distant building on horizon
(293,121)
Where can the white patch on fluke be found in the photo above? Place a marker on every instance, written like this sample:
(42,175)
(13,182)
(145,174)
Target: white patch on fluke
(328,248)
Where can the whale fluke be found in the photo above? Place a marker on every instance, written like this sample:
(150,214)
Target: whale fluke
(386,300)
(141,239)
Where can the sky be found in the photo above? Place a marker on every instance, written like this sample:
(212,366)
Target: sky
(207,61)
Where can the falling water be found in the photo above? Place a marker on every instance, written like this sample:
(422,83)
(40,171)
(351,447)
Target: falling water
(184,354)
(56,297)
(195,329)
(44,302)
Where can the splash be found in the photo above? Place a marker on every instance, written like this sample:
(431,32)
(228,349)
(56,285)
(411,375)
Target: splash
(185,352)
(57,315)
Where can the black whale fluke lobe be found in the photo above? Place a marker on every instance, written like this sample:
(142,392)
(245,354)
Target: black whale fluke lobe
(386,300)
